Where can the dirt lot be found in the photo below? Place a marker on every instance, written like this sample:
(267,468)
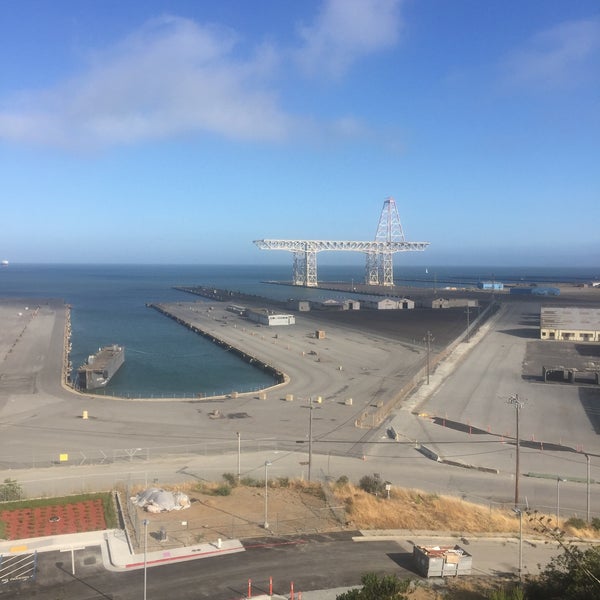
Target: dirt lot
(239,515)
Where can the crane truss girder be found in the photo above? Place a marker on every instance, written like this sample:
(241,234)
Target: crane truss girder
(379,269)
(344,246)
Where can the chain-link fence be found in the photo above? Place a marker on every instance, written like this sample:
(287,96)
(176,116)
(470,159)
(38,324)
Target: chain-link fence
(204,523)
(139,455)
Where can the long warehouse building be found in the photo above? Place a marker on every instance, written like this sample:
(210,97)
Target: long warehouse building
(572,324)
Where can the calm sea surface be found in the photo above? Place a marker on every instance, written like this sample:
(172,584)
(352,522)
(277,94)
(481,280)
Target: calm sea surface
(165,359)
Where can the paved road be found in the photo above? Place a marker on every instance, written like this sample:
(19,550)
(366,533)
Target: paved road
(319,562)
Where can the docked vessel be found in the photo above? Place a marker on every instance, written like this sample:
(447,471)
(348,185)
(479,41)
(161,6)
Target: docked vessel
(99,368)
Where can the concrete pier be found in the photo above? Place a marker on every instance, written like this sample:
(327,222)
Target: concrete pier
(344,365)
(278,376)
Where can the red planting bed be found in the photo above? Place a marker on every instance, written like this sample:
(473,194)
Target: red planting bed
(77,517)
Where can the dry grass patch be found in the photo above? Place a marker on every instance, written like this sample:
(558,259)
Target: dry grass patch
(414,509)
(405,509)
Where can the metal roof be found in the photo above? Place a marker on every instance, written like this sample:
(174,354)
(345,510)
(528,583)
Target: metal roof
(576,318)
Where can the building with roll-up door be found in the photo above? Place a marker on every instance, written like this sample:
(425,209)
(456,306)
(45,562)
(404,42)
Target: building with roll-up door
(573,324)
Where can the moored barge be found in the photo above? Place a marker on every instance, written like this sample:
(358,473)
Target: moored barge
(99,368)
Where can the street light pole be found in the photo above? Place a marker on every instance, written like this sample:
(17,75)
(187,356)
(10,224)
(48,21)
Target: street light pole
(266,523)
(239,471)
(145,523)
(514,400)
(587,510)
(558,480)
(520,513)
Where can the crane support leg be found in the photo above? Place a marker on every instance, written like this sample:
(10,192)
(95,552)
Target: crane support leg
(371,269)
(305,268)
(299,273)
(388,269)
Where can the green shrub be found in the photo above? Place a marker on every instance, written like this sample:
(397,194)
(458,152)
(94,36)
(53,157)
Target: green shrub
(576,523)
(251,482)
(510,593)
(572,575)
(373,484)
(596,523)
(283,482)
(230,478)
(10,490)
(223,490)
(341,481)
(376,587)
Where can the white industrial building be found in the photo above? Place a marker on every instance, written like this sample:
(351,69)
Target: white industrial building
(327,304)
(452,303)
(387,303)
(335,304)
(268,317)
(573,324)
(299,305)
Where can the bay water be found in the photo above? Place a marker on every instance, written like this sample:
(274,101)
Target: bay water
(162,358)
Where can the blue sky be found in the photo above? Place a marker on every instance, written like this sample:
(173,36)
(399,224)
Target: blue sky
(180,131)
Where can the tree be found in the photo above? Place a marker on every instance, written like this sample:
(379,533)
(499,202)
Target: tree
(373,484)
(10,490)
(386,587)
(574,575)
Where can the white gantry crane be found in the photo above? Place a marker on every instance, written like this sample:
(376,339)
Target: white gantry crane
(389,239)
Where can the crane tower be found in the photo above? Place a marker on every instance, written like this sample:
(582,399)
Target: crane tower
(379,270)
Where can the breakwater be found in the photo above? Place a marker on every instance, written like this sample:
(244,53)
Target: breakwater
(270,370)
(220,295)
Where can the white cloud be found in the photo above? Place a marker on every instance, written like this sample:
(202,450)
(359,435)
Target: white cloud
(171,77)
(175,77)
(345,31)
(558,57)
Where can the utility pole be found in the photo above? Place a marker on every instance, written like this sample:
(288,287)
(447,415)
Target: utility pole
(518,404)
(428,339)
(310,419)
(468,325)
